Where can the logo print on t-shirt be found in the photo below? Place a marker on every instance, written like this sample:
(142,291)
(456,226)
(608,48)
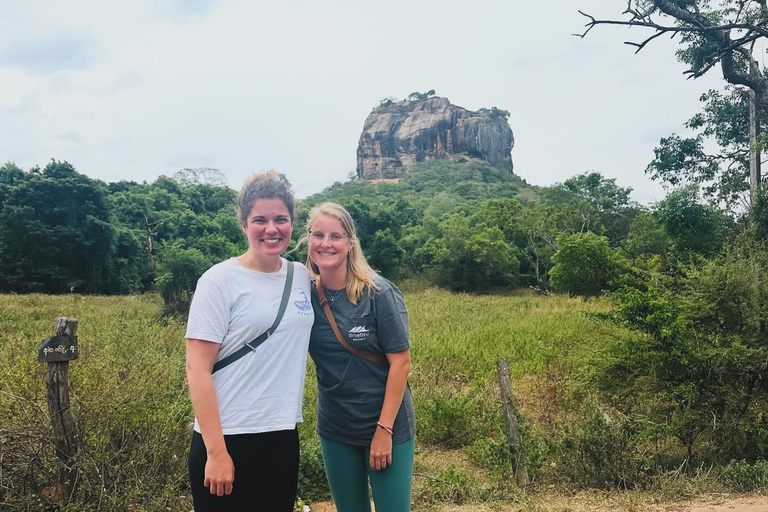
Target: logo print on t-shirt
(303,305)
(359,332)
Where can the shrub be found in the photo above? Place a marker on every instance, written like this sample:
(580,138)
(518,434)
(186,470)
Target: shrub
(447,420)
(181,268)
(747,477)
(584,264)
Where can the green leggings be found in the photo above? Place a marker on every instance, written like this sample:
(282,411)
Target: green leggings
(347,469)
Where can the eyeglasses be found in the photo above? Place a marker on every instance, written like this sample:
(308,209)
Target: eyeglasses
(319,236)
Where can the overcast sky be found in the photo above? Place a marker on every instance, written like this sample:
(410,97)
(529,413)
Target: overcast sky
(133,90)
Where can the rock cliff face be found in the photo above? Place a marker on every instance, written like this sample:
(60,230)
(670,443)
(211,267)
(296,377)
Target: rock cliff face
(397,136)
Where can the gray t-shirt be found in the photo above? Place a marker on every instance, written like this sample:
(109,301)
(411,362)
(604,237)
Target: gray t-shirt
(350,389)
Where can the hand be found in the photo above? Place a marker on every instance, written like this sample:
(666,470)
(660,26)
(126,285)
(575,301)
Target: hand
(381,450)
(219,474)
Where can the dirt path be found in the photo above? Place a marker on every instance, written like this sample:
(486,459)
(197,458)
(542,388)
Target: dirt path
(585,502)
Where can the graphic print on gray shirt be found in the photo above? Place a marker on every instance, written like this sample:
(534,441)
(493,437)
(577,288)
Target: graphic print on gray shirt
(350,389)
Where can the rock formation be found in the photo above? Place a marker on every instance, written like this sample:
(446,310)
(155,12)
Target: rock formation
(398,135)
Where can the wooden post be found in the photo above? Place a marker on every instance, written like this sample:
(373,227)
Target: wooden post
(514,439)
(58,351)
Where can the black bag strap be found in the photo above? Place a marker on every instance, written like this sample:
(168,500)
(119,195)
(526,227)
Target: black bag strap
(252,345)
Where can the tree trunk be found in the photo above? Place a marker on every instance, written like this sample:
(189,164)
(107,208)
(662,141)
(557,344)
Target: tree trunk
(754,154)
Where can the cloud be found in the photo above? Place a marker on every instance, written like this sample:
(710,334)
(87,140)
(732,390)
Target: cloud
(50,54)
(185,8)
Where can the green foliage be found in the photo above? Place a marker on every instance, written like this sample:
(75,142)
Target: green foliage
(758,213)
(448,420)
(684,161)
(450,486)
(602,452)
(421,96)
(385,255)
(56,234)
(494,112)
(62,232)
(471,259)
(181,269)
(584,264)
(747,477)
(697,367)
(598,203)
(694,228)
(646,237)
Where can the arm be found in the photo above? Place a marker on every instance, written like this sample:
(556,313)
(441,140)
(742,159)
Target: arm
(397,379)
(219,469)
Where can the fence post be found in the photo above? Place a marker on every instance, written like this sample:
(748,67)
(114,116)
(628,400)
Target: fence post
(58,351)
(514,439)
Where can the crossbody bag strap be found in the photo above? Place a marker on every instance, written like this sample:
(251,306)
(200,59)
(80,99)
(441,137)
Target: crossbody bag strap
(370,356)
(252,345)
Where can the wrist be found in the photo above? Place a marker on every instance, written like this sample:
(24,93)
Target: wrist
(216,450)
(385,428)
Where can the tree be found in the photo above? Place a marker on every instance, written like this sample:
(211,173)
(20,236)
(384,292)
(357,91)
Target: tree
(421,96)
(698,371)
(693,227)
(646,237)
(724,34)
(725,174)
(56,234)
(471,258)
(201,176)
(385,255)
(602,206)
(180,271)
(494,112)
(584,264)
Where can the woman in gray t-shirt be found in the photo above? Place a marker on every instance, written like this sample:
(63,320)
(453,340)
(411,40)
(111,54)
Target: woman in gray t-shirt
(365,410)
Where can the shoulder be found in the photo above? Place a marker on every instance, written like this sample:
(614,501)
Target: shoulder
(385,286)
(220,273)
(225,267)
(300,270)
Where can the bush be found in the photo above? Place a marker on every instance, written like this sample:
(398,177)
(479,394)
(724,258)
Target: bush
(584,264)
(180,270)
(600,452)
(447,420)
(747,477)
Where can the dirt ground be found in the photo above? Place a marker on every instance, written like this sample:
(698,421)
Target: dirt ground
(588,502)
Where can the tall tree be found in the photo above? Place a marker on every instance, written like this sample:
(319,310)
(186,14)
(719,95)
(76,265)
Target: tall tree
(56,236)
(723,34)
(724,174)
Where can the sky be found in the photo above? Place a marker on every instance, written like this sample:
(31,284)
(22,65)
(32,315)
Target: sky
(134,90)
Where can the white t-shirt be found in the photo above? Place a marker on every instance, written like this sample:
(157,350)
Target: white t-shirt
(232,305)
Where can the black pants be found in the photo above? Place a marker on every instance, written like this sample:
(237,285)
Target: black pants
(266,473)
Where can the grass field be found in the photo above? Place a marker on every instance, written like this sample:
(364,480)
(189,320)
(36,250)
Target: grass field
(133,412)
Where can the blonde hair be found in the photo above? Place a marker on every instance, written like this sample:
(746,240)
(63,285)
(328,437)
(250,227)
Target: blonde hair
(359,273)
(265,185)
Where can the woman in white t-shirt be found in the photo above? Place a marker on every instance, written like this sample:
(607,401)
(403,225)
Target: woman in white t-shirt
(245,449)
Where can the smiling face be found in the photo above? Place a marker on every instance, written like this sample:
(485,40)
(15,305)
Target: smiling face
(330,252)
(268,228)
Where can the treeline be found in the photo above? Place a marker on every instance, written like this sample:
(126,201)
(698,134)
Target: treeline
(461,225)
(62,232)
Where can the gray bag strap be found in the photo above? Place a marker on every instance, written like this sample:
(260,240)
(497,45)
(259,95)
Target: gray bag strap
(252,345)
